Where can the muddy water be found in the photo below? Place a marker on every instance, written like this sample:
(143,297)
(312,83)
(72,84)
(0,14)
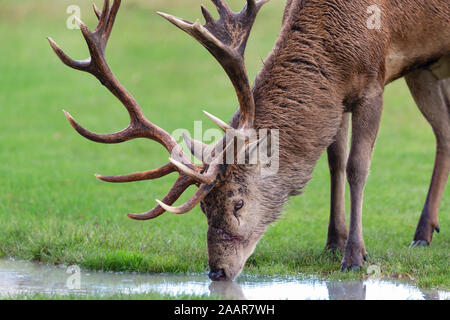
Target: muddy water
(20,277)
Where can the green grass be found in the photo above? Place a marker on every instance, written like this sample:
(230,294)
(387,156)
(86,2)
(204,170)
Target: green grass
(52,209)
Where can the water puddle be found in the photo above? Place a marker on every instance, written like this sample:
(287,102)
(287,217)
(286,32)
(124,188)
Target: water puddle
(21,277)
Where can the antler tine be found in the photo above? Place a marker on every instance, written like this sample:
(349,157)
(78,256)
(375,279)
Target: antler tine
(198,196)
(226,40)
(208,17)
(253,6)
(118,137)
(97,11)
(111,17)
(140,176)
(183,182)
(220,123)
(81,65)
(222,6)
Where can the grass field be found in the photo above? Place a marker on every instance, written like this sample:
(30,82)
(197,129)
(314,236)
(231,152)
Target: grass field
(52,209)
(146,296)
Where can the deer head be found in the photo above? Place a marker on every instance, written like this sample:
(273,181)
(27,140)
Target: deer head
(234,198)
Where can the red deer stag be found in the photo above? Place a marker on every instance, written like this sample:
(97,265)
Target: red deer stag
(326,64)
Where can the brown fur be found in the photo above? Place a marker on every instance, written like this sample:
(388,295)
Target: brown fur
(325,63)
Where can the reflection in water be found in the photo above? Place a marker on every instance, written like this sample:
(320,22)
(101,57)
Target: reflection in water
(347,291)
(19,277)
(227,289)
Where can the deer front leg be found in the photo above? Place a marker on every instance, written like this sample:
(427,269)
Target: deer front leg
(365,123)
(337,161)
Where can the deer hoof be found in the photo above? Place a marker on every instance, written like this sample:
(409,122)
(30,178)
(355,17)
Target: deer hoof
(350,268)
(355,265)
(354,257)
(419,243)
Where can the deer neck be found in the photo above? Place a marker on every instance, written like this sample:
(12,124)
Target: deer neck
(297,92)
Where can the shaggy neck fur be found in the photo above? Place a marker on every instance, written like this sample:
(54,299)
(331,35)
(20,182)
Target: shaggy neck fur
(295,92)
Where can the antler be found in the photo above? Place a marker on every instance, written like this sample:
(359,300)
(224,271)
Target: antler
(226,40)
(140,126)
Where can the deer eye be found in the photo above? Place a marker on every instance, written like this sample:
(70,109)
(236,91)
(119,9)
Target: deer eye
(239,205)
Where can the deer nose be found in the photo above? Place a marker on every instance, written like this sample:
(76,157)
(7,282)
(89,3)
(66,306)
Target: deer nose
(217,275)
